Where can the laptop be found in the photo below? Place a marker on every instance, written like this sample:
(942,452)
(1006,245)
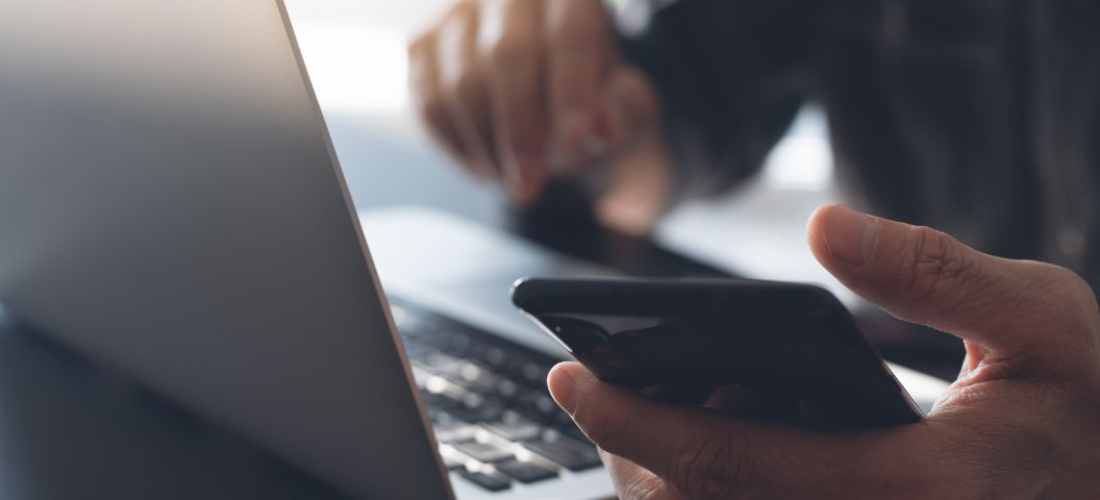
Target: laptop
(171,206)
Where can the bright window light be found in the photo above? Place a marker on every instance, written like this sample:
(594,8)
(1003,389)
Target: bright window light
(356,70)
(803,159)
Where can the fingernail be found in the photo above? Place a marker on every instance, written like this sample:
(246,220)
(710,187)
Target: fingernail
(563,388)
(849,235)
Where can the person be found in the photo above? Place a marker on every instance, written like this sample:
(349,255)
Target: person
(979,118)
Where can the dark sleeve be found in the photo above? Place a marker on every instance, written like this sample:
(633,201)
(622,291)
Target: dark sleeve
(731,74)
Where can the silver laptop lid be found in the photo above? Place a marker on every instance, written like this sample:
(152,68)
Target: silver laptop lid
(169,204)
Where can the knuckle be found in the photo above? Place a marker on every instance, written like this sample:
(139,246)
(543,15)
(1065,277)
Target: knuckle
(1075,300)
(715,467)
(1070,288)
(512,49)
(936,265)
(433,109)
(467,86)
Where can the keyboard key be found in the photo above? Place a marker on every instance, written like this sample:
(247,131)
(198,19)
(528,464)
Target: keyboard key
(458,342)
(490,482)
(542,406)
(483,452)
(535,371)
(525,472)
(563,451)
(413,325)
(493,356)
(443,364)
(441,401)
(506,389)
(478,410)
(484,395)
(526,371)
(442,392)
(417,351)
(451,463)
(547,406)
(476,377)
(455,432)
(515,431)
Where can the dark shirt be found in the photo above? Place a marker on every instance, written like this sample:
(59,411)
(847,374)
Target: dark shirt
(979,118)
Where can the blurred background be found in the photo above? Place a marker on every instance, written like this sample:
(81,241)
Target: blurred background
(355,51)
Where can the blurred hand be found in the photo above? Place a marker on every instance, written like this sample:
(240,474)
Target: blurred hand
(518,90)
(1021,421)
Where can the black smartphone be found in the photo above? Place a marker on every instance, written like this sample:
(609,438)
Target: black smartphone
(787,343)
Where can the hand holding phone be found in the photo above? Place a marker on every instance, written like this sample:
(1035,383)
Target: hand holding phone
(782,341)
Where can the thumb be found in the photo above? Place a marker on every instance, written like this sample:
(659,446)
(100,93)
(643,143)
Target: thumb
(703,454)
(925,276)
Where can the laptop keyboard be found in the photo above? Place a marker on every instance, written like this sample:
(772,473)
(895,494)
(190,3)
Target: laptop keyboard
(493,417)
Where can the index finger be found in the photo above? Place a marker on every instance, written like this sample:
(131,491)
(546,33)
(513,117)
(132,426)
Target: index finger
(511,37)
(1025,310)
(580,47)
